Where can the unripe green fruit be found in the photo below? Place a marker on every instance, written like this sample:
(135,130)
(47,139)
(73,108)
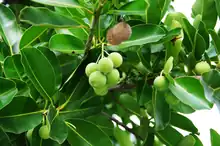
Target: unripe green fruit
(105,65)
(97,79)
(202,67)
(116,59)
(113,77)
(161,83)
(91,67)
(44,132)
(101,91)
(168,65)
(29,134)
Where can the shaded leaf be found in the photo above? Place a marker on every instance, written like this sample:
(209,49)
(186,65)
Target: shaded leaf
(4,138)
(216,40)
(214,137)
(7,91)
(42,68)
(58,3)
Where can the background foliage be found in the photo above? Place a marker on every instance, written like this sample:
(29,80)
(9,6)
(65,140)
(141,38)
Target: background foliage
(45,46)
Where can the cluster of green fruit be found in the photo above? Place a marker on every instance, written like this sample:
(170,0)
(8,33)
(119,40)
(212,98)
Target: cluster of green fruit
(44,132)
(104,75)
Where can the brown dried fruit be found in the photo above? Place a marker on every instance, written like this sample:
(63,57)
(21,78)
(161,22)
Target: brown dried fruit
(111,38)
(122,31)
(119,33)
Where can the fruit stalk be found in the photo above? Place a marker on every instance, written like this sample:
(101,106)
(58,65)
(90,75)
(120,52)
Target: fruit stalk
(97,14)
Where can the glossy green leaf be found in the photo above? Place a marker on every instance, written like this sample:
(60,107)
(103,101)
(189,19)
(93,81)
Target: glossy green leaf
(51,19)
(214,138)
(30,35)
(22,87)
(217,3)
(13,67)
(204,33)
(81,137)
(7,91)
(132,8)
(4,138)
(200,46)
(9,28)
(205,8)
(216,40)
(182,122)
(169,136)
(122,137)
(198,141)
(66,44)
(58,3)
(156,10)
(151,33)
(42,68)
(161,110)
(183,108)
(190,91)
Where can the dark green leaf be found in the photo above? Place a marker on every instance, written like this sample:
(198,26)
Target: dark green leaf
(23,88)
(13,67)
(81,137)
(30,35)
(188,140)
(4,138)
(206,8)
(169,136)
(161,110)
(7,91)
(51,19)
(66,44)
(216,40)
(144,93)
(190,91)
(182,122)
(42,68)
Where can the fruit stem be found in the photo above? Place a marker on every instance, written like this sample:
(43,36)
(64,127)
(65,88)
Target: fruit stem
(103,50)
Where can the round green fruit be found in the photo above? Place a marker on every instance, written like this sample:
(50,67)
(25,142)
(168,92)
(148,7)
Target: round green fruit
(101,91)
(29,134)
(113,77)
(168,65)
(44,132)
(116,59)
(91,67)
(97,79)
(105,65)
(161,83)
(202,67)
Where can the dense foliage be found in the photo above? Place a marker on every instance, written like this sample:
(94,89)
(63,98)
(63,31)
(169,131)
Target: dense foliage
(70,68)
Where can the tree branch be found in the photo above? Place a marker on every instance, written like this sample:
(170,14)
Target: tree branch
(123,125)
(92,29)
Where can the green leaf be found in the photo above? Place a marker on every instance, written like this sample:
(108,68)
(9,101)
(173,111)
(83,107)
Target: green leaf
(81,137)
(190,91)
(42,68)
(214,138)
(182,122)
(20,115)
(66,44)
(132,8)
(30,35)
(9,28)
(51,19)
(216,41)
(204,33)
(4,138)
(188,140)
(161,110)
(206,8)
(7,91)
(23,88)
(156,10)
(13,67)
(144,93)
(200,46)
(58,3)
(122,137)
(182,108)
(217,3)
(198,141)
(169,136)
(150,34)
